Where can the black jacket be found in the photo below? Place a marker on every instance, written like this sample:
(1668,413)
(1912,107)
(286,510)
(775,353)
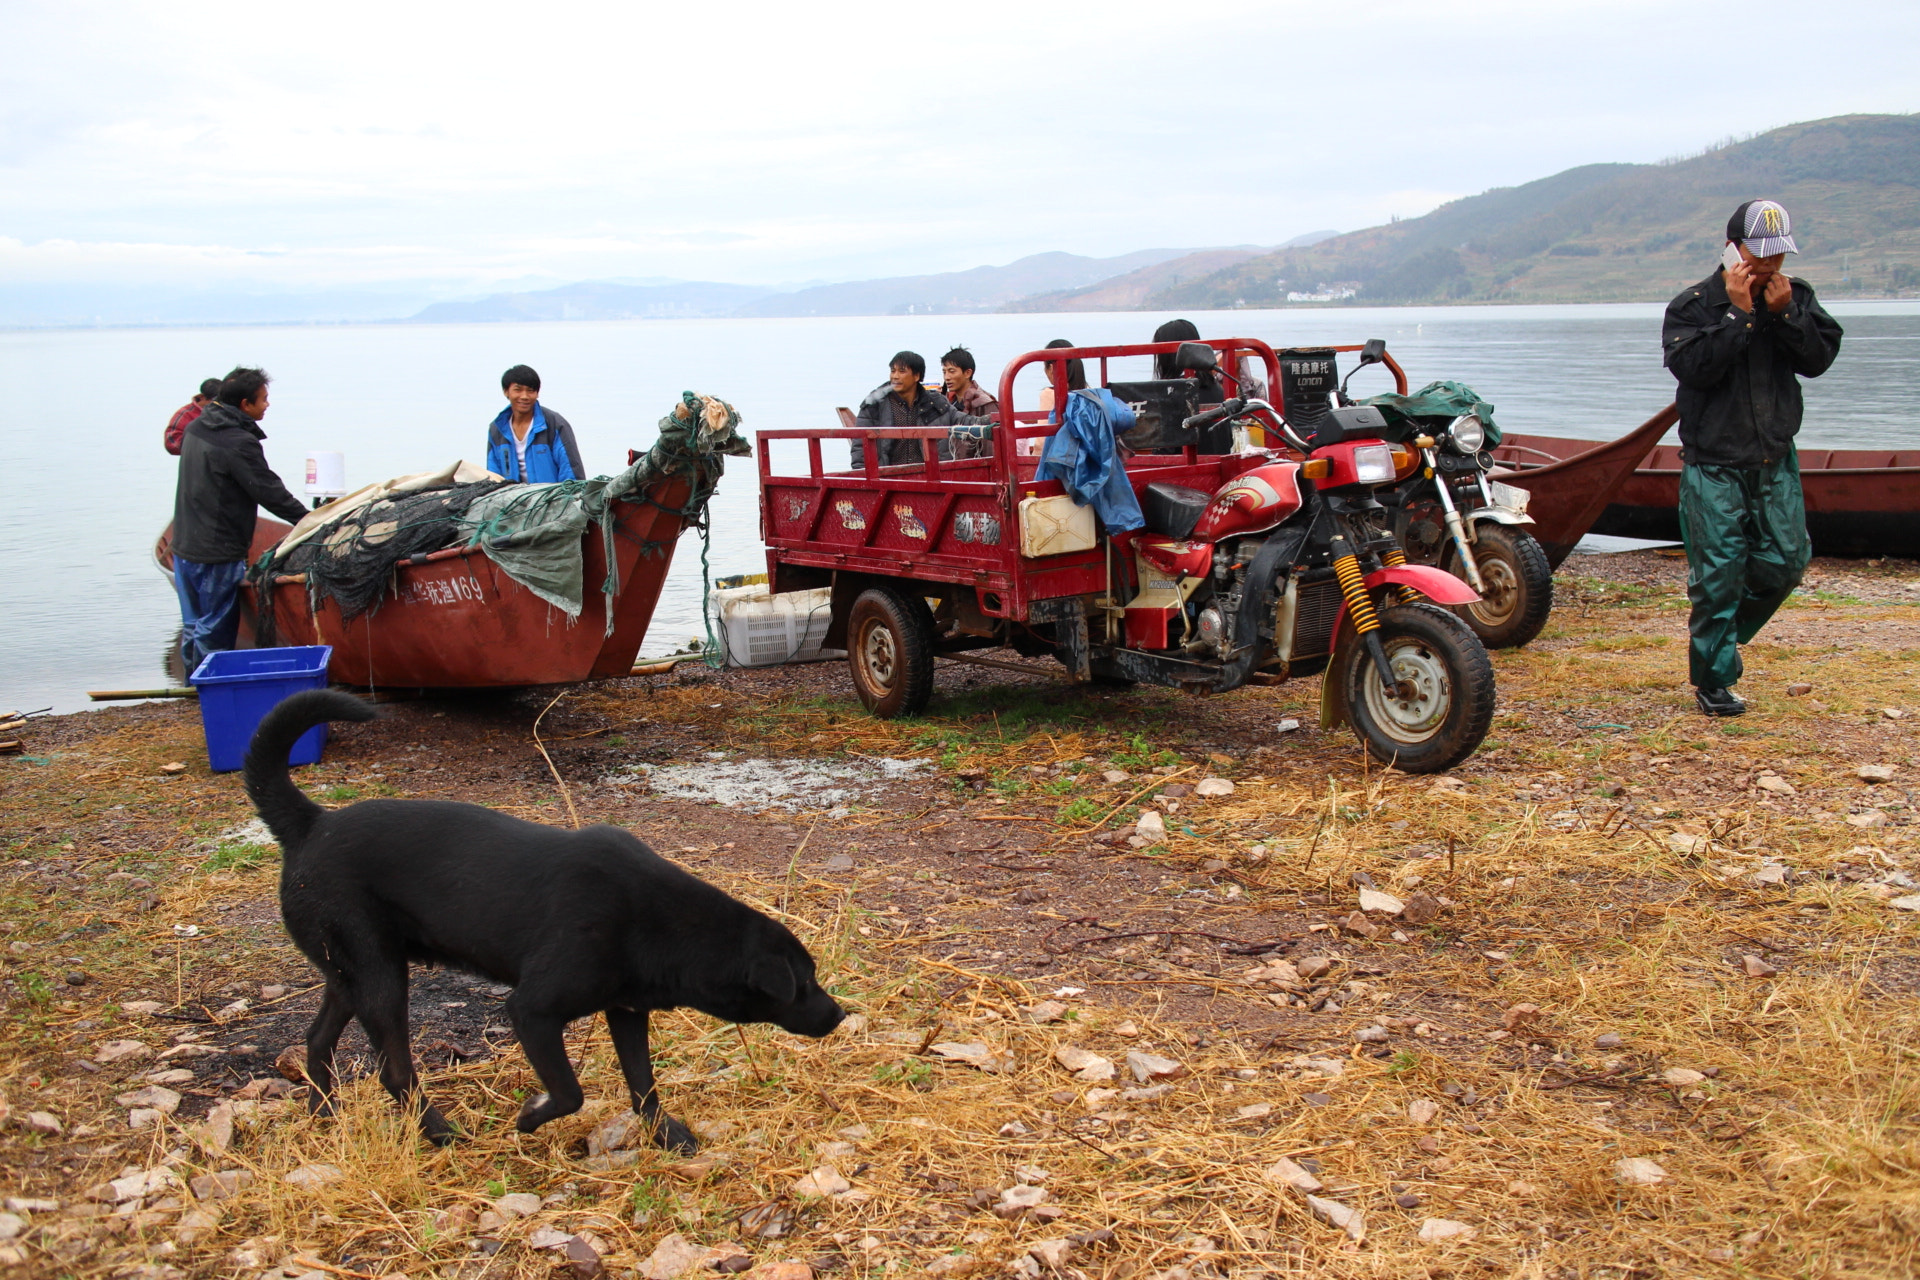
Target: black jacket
(883,407)
(223,476)
(1739,372)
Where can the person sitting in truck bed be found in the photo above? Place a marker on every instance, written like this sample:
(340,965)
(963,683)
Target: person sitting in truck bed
(901,401)
(966,394)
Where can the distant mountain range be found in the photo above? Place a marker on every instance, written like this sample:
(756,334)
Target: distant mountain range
(947,293)
(1596,233)
(1620,232)
(1130,292)
(959,292)
(682,299)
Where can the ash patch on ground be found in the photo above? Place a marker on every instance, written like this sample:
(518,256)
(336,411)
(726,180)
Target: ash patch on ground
(756,784)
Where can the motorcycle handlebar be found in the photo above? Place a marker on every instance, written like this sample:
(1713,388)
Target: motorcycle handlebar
(1237,406)
(1207,417)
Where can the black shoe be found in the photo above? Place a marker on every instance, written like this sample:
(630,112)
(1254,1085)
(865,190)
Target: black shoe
(1720,702)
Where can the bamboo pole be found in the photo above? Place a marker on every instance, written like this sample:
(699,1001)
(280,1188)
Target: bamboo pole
(122,695)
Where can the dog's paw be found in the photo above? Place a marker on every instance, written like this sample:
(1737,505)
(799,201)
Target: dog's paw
(670,1135)
(533,1114)
(439,1132)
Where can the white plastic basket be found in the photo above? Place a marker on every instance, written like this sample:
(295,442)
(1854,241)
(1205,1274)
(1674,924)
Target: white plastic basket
(762,630)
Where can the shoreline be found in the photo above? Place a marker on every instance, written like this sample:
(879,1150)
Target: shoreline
(1344,306)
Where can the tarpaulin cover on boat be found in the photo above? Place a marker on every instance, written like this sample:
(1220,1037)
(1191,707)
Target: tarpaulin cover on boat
(1438,400)
(533,531)
(349,548)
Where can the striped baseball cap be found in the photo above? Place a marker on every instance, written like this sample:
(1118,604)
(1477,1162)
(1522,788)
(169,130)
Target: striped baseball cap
(1764,227)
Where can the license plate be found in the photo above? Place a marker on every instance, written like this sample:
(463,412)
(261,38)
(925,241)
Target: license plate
(1506,495)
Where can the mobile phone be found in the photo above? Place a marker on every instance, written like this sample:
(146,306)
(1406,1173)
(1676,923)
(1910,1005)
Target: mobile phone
(1730,257)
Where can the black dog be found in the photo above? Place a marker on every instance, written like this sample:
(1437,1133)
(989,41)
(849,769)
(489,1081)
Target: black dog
(578,922)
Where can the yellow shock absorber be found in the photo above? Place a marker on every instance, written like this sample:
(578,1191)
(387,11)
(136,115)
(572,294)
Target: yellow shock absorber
(1353,586)
(1395,559)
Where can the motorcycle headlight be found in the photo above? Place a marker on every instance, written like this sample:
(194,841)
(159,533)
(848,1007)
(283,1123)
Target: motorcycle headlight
(1466,434)
(1373,464)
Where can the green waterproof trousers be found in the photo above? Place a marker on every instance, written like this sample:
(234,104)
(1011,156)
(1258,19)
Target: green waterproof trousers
(1746,537)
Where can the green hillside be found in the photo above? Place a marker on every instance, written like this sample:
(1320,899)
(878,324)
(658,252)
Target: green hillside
(1624,232)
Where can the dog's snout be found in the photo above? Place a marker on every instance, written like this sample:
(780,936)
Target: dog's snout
(814,1014)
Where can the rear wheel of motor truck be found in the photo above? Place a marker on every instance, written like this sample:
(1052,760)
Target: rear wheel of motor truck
(890,648)
(1517,584)
(1441,706)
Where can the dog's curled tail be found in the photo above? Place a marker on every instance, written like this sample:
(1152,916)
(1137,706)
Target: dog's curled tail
(281,805)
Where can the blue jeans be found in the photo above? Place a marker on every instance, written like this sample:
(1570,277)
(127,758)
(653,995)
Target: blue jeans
(209,607)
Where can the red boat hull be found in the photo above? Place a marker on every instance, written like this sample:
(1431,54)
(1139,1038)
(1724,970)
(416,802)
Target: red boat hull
(455,620)
(1570,487)
(1860,502)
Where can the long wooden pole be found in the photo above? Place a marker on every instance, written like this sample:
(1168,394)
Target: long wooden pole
(122,695)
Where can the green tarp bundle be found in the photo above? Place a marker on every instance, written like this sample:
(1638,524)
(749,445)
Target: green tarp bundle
(1439,400)
(533,531)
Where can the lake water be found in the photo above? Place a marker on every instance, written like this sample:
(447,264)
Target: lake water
(89,486)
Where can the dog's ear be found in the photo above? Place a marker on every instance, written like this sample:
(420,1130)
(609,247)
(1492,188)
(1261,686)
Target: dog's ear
(772,976)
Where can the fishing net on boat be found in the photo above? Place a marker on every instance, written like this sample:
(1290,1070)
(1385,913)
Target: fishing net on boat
(348,551)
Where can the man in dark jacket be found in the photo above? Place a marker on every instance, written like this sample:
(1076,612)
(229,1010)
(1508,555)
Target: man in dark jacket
(901,401)
(223,477)
(1739,342)
(529,441)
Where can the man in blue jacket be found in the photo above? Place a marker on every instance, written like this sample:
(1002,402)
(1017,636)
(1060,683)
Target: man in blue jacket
(529,441)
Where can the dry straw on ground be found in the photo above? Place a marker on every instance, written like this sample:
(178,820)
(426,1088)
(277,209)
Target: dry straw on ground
(1476,1090)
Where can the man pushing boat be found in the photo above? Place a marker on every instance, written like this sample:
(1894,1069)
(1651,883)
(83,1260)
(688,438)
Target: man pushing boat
(1739,342)
(224,476)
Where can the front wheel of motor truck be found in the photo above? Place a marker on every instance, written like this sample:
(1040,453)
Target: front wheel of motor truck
(1518,587)
(1442,701)
(890,648)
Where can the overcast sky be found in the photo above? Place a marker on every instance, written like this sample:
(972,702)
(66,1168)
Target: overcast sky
(473,145)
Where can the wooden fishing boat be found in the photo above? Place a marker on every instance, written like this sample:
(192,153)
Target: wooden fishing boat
(1570,488)
(453,619)
(1860,502)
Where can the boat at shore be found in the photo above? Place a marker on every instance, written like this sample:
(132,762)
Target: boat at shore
(455,619)
(1860,502)
(1571,489)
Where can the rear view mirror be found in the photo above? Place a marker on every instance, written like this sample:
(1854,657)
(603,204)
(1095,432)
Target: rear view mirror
(1374,351)
(1197,356)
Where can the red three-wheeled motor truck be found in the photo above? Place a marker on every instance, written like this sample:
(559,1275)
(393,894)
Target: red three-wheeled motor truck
(1261,555)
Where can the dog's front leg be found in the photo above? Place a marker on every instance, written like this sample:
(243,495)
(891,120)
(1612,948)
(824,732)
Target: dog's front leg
(542,1039)
(322,1035)
(629,1032)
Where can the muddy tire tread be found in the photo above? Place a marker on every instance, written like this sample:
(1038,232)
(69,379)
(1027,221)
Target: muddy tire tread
(1473,696)
(911,622)
(1529,560)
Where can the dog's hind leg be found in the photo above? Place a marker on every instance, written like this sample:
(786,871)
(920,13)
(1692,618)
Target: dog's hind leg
(322,1035)
(382,1009)
(543,1039)
(629,1032)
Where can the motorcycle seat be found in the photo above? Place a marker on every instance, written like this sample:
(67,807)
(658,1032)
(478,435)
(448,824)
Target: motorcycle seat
(1172,510)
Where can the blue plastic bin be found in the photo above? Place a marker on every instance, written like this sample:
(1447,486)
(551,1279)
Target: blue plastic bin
(239,686)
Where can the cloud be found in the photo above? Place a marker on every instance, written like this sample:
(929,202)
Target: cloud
(360,141)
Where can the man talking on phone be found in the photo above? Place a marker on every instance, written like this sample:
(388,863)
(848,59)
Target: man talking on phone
(1739,342)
